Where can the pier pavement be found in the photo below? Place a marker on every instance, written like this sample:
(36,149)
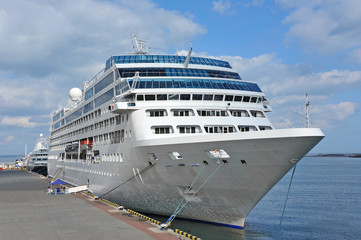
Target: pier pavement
(27,212)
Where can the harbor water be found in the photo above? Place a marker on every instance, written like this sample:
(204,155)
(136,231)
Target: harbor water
(324,203)
(7,158)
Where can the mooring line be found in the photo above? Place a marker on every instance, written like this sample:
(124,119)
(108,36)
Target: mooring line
(284,206)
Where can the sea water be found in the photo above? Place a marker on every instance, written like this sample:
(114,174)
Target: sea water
(8,158)
(324,203)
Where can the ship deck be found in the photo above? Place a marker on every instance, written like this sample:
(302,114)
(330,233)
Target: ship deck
(28,212)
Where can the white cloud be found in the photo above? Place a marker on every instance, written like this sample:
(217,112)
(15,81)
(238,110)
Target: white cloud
(325,26)
(18,122)
(328,115)
(10,138)
(278,79)
(48,47)
(222,6)
(286,85)
(38,38)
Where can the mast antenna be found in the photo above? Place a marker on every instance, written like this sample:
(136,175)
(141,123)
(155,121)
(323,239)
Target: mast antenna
(307,105)
(139,45)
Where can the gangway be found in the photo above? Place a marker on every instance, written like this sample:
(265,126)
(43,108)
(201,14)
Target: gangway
(76,189)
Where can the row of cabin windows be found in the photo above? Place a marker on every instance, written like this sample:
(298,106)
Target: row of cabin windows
(164,97)
(109,138)
(207,129)
(204,113)
(199,97)
(102,124)
(116,157)
(96,114)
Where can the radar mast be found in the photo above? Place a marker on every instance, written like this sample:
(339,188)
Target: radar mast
(139,45)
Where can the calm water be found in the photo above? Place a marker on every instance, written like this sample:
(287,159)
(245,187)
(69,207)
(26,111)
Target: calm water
(324,203)
(7,158)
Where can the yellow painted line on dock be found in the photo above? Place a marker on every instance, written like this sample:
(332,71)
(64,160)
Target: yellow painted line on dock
(187,235)
(143,217)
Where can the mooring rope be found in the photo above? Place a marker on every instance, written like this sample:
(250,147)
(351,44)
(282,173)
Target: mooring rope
(143,170)
(175,213)
(284,206)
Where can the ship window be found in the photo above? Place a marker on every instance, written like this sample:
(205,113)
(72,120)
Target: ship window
(117,137)
(208,97)
(246,99)
(239,113)
(212,113)
(118,119)
(156,113)
(218,97)
(140,97)
(253,99)
(182,112)
(244,128)
(219,129)
(185,97)
(197,97)
(228,98)
(257,114)
(188,129)
(161,97)
(162,130)
(173,97)
(263,128)
(149,97)
(122,135)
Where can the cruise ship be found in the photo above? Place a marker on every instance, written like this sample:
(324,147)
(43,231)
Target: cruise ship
(169,134)
(38,158)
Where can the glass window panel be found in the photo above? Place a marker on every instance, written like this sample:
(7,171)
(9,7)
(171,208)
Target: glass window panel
(195,84)
(189,84)
(185,97)
(197,97)
(207,97)
(218,97)
(237,98)
(149,97)
(228,98)
(162,84)
(173,96)
(149,84)
(161,97)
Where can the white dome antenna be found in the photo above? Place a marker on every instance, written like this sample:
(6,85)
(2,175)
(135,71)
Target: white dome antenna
(75,94)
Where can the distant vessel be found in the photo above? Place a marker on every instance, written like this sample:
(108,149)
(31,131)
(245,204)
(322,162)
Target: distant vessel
(38,158)
(20,161)
(151,131)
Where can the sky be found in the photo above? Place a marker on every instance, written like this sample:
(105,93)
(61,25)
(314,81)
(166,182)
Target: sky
(289,48)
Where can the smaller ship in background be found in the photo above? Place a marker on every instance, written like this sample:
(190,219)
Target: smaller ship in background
(38,160)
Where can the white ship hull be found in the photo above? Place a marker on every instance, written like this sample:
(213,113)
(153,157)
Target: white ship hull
(227,197)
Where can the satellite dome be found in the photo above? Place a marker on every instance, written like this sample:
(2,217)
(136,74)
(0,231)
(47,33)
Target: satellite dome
(75,94)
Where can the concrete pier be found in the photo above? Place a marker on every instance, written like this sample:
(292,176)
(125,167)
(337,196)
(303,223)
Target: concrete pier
(27,212)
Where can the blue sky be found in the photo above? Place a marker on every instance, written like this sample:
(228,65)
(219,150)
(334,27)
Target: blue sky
(289,48)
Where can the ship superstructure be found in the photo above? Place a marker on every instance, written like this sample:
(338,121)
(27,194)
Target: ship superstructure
(149,131)
(38,158)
